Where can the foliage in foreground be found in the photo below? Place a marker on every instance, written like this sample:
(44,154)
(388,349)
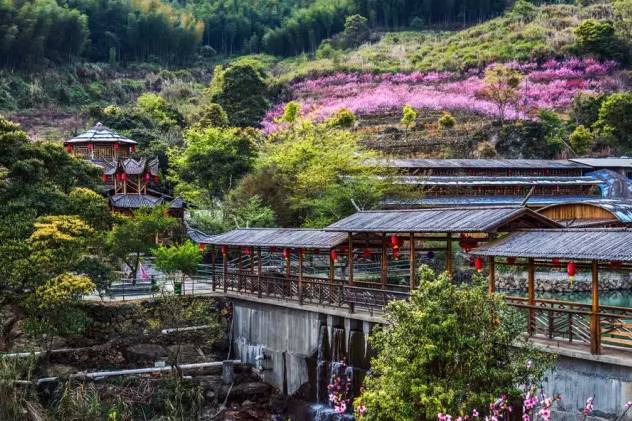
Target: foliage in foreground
(447,350)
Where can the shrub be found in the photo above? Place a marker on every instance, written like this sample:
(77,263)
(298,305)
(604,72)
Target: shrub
(598,38)
(212,115)
(581,140)
(446,121)
(343,118)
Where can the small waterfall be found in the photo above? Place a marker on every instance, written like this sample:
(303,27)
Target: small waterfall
(322,363)
(331,363)
(338,345)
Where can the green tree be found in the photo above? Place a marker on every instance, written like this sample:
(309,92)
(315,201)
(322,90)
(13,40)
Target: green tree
(615,119)
(581,140)
(585,108)
(291,112)
(212,115)
(598,38)
(242,92)
(501,88)
(248,213)
(356,31)
(91,207)
(212,160)
(135,236)
(160,110)
(409,115)
(178,261)
(309,173)
(449,349)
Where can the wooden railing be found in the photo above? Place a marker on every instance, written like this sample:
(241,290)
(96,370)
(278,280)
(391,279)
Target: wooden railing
(551,319)
(309,290)
(573,322)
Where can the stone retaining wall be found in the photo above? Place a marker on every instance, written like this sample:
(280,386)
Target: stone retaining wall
(559,281)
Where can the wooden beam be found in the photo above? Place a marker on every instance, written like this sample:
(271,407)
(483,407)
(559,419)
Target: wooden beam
(413,262)
(213,268)
(300,276)
(225,269)
(448,255)
(384,263)
(531,295)
(259,271)
(239,268)
(350,261)
(332,269)
(595,328)
(492,275)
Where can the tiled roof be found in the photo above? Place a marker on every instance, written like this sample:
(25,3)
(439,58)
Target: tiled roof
(452,220)
(100,133)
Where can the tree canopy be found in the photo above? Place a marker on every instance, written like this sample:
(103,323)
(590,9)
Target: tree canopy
(449,349)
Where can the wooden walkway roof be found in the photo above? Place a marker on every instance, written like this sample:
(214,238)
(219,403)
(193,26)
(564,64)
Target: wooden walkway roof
(582,244)
(273,237)
(439,220)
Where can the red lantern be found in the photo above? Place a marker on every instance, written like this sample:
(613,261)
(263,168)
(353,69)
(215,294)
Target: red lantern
(366,253)
(105,178)
(511,260)
(478,264)
(118,176)
(224,250)
(90,147)
(147,177)
(555,261)
(156,179)
(570,269)
(69,148)
(202,247)
(286,254)
(396,254)
(246,251)
(132,149)
(394,242)
(123,177)
(333,255)
(116,146)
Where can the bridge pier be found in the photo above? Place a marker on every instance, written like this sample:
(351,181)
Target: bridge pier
(283,342)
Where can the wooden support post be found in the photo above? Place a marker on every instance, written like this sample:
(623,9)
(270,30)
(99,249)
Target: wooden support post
(384,263)
(239,268)
(332,269)
(288,269)
(350,261)
(595,327)
(448,255)
(413,262)
(300,276)
(259,271)
(492,275)
(213,268)
(225,263)
(531,295)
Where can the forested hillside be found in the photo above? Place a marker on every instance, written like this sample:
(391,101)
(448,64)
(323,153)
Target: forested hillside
(35,31)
